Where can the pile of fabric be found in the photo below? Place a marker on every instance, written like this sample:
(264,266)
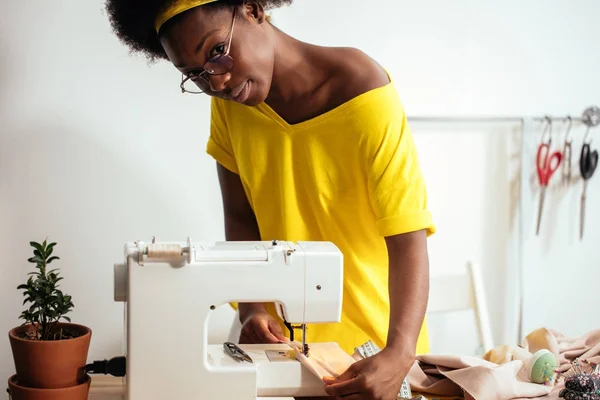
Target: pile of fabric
(502,373)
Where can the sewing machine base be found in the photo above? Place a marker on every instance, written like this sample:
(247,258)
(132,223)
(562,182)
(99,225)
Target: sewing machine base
(278,375)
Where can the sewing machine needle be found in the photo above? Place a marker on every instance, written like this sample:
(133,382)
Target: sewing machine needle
(304,350)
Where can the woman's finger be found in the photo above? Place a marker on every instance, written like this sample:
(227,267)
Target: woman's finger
(248,334)
(276,331)
(264,333)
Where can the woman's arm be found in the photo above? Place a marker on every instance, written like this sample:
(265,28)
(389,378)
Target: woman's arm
(380,377)
(240,222)
(408,291)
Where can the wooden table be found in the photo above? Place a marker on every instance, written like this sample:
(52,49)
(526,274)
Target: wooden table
(111,388)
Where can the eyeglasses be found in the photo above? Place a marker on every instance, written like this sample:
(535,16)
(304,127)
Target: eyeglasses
(217,65)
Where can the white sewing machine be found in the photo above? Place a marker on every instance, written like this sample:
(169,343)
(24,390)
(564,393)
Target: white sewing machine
(171,289)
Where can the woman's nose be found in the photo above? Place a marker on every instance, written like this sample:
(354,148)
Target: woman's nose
(218,82)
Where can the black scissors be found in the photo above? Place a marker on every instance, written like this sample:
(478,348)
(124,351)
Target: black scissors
(236,353)
(587,164)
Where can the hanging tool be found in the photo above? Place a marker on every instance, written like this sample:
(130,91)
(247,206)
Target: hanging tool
(588,160)
(587,163)
(547,164)
(566,171)
(236,353)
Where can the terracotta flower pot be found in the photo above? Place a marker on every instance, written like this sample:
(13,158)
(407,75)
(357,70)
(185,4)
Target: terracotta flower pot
(53,363)
(78,392)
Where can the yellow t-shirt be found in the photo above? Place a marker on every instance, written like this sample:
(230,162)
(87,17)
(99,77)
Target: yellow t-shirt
(350,176)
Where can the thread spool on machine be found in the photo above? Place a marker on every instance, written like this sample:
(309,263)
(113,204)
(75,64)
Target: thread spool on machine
(167,251)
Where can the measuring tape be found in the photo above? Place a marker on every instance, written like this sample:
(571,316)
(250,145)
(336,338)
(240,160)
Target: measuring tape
(369,349)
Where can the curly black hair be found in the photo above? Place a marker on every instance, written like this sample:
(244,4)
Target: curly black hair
(133,22)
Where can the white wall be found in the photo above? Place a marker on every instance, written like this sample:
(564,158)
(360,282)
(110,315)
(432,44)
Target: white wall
(97,149)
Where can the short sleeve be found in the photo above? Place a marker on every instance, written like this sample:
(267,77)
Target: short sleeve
(396,184)
(219,144)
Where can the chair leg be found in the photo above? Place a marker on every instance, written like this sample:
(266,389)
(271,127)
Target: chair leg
(481,309)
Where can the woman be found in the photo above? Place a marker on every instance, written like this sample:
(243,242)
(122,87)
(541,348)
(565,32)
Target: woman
(311,143)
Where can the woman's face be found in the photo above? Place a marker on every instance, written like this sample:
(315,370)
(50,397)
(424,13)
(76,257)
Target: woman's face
(200,34)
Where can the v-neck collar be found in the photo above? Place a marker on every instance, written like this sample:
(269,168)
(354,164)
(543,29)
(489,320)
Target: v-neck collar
(265,109)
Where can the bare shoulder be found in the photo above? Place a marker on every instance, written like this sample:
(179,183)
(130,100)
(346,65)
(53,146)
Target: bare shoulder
(357,73)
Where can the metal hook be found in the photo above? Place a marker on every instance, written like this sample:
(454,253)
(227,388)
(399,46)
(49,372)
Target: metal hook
(566,171)
(547,130)
(567,135)
(586,139)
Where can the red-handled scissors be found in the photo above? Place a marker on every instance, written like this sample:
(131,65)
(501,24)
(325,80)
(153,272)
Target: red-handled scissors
(547,164)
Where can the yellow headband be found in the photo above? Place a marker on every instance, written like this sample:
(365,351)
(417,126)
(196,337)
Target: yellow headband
(176,8)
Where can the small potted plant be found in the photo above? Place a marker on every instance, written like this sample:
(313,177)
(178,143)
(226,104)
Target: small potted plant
(49,355)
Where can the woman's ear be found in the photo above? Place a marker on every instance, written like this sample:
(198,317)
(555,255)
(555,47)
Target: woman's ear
(254,11)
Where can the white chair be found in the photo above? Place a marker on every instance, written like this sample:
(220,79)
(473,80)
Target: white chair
(461,292)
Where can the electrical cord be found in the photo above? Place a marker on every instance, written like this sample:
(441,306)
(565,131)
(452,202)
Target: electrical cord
(116,366)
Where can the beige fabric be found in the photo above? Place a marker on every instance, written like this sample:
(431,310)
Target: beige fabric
(501,374)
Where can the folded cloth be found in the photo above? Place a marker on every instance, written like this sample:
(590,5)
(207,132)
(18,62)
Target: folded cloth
(502,373)
(472,378)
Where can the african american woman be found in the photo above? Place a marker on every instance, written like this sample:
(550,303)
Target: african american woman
(311,143)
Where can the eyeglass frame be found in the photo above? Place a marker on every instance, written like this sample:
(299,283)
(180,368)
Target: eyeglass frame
(191,77)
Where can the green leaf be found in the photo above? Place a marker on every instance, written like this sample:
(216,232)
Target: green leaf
(49,249)
(37,246)
(48,304)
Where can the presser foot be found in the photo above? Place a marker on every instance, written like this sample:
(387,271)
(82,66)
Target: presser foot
(304,345)
(305,349)
(302,327)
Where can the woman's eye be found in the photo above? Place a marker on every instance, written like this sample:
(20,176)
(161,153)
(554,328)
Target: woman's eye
(220,49)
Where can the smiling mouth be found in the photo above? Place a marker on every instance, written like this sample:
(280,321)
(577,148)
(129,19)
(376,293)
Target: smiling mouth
(239,91)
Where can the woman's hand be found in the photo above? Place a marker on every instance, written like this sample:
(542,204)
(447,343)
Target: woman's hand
(378,377)
(260,327)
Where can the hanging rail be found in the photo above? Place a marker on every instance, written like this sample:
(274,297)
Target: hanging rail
(590,117)
(484,119)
